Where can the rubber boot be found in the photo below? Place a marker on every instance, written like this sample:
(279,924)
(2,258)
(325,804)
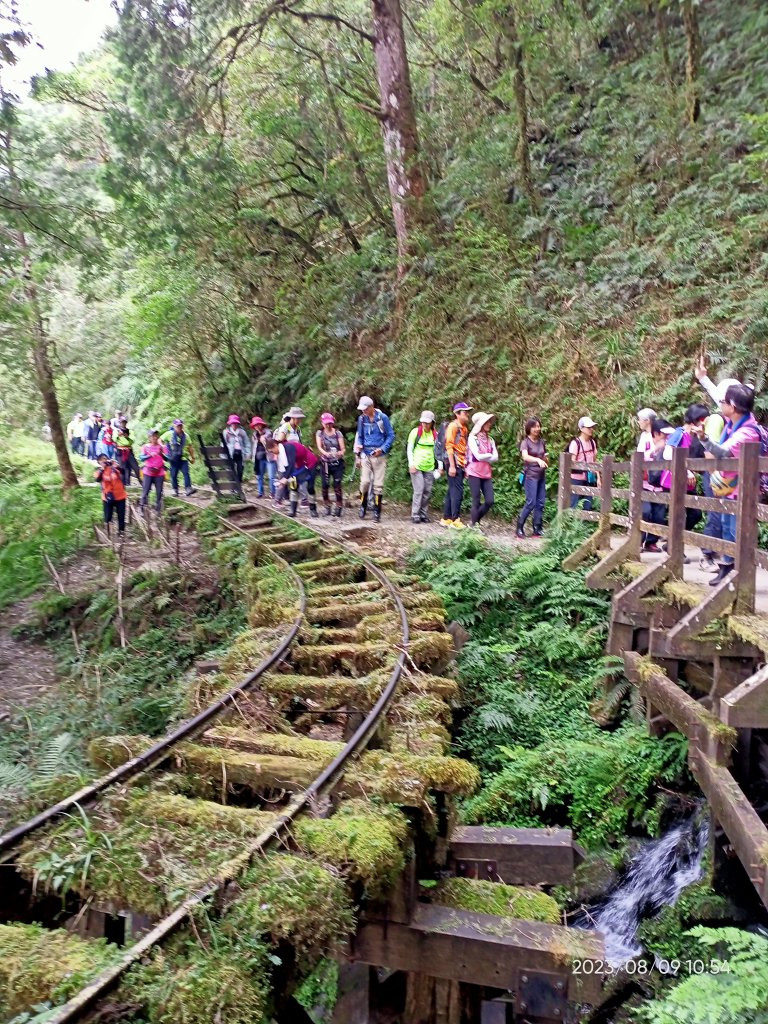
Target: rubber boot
(313,510)
(363,505)
(725,568)
(337,511)
(293,509)
(327,510)
(377,508)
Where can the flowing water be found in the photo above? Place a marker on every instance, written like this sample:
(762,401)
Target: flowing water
(655,878)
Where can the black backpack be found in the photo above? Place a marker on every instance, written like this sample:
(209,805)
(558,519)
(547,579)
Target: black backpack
(440,455)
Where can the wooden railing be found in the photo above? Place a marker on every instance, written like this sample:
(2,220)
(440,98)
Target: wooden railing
(739,586)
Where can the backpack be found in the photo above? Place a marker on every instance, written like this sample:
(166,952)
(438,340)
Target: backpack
(440,454)
(763,438)
(591,477)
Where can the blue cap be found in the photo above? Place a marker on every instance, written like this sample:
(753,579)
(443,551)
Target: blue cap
(462,407)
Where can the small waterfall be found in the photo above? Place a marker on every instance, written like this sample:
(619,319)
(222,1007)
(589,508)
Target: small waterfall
(655,878)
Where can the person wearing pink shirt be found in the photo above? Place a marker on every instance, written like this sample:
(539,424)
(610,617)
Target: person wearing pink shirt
(481,454)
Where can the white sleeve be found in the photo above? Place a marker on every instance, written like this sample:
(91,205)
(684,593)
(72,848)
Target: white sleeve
(494,457)
(709,386)
(480,456)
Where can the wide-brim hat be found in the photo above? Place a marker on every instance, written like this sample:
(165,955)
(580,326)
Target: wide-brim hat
(257,421)
(482,419)
(723,386)
(232,420)
(297,413)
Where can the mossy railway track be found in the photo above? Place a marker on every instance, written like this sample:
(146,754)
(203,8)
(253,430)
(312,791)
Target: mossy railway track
(336,733)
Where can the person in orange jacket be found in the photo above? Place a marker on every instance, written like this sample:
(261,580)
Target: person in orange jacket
(113,495)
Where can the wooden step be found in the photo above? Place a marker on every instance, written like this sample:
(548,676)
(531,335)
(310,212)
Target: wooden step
(519,856)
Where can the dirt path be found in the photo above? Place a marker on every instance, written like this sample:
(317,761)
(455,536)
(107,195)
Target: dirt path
(28,669)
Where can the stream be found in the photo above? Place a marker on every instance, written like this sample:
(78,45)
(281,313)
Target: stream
(656,876)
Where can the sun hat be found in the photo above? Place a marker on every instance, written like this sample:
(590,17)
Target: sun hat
(427,417)
(257,421)
(462,407)
(646,414)
(233,419)
(152,432)
(327,417)
(723,386)
(178,423)
(364,403)
(480,419)
(586,421)
(297,413)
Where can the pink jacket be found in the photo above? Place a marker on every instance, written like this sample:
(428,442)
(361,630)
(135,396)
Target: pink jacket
(481,452)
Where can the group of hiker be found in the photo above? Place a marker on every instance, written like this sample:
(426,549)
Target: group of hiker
(110,445)
(463,448)
(706,433)
(288,458)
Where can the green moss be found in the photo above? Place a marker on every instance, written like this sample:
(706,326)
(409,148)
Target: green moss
(687,595)
(430,650)
(292,899)
(357,659)
(407,778)
(330,692)
(346,613)
(495,898)
(273,743)
(335,590)
(752,629)
(142,852)
(665,935)
(366,844)
(42,966)
(248,651)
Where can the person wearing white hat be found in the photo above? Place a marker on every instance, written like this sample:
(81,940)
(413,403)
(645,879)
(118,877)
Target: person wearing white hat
(291,427)
(715,391)
(644,419)
(422,465)
(374,438)
(481,454)
(75,434)
(583,448)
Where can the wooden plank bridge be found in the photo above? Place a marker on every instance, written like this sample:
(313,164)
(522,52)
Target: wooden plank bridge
(696,652)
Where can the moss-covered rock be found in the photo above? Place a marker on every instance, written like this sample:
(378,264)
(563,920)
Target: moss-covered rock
(38,965)
(484,897)
(366,843)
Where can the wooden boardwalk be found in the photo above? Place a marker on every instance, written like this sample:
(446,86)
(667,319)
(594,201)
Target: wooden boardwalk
(697,652)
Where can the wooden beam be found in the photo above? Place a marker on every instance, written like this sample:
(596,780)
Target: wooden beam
(482,949)
(746,527)
(738,818)
(564,483)
(712,607)
(704,731)
(746,706)
(520,856)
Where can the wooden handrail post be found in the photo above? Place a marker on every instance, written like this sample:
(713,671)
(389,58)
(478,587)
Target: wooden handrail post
(564,483)
(635,511)
(746,526)
(676,520)
(606,497)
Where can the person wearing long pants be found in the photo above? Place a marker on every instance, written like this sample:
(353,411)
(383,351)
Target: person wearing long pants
(456,436)
(481,454)
(534,453)
(153,456)
(331,447)
(422,465)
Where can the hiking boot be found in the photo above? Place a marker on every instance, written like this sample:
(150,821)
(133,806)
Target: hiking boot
(457,524)
(446,522)
(708,563)
(175,492)
(327,510)
(313,510)
(190,491)
(520,534)
(539,534)
(294,508)
(654,548)
(424,518)
(416,521)
(723,569)
(377,508)
(363,506)
(337,511)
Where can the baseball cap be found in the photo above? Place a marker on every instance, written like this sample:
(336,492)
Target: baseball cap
(178,423)
(723,386)
(586,421)
(427,417)
(364,403)
(327,417)
(462,407)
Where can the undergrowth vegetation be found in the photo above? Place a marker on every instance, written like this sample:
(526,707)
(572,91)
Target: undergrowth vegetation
(37,516)
(532,677)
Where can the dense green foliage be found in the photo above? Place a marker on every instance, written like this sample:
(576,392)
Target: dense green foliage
(530,679)
(36,518)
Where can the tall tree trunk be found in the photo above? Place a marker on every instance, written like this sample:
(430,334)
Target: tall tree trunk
(661,27)
(43,368)
(692,61)
(517,59)
(405,174)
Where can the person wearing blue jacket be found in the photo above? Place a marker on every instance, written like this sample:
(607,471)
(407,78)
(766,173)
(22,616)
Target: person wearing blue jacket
(373,441)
